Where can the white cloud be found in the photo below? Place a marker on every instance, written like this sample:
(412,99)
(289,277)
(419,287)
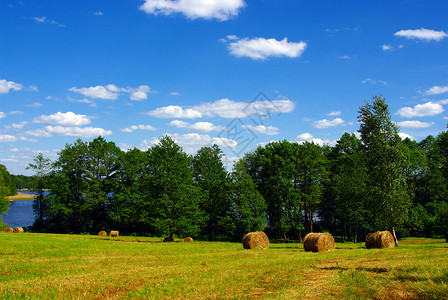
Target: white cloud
(140,93)
(85,100)
(84,132)
(112,92)
(198,126)
(261,48)
(138,127)
(436,90)
(2,115)
(174,94)
(6,138)
(174,111)
(328,123)
(334,113)
(422,34)
(387,47)
(374,81)
(64,119)
(98,92)
(6,86)
(16,126)
(421,110)
(44,19)
(308,137)
(269,130)
(344,57)
(414,124)
(443,102)
(194,9)
(25,139)
(405,135)
(225,108)
(34,105)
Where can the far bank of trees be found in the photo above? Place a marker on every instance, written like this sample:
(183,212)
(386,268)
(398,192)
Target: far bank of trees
(375,182)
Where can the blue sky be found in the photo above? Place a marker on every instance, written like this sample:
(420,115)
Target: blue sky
(238,73)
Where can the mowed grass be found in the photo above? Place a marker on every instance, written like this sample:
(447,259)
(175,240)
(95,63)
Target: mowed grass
(48,266)
(21,196)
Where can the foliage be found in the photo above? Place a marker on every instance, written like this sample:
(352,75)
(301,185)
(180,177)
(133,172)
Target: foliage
(212,178)
(7,181)
(4,191)
(389,197)
(248,204)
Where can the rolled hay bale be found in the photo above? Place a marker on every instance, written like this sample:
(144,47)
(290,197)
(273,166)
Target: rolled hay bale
(168,239)
(318,242)
(18,230)
(113,233)
(188,239)
(256,240)
(102,233)
(8,230)
(380,239)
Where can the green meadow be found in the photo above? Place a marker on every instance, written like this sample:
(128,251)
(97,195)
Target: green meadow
(50,266)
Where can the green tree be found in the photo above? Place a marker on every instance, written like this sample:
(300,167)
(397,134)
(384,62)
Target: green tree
(211,176)
(41,166)
(10,188)
(311,176)
(345,202)
(131,204)
(248,204)
(274,170)
(4,203)
(386,164)
(175,198)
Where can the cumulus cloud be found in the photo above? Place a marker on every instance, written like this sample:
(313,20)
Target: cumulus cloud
(2,115)
(84,132)
(174,111)
(193,9)
(6,86)
(45,20)
(34,105)
(308,137)
(269,130)
(422,34)
(328,123)
(225,108)
(421,110)
(404,136)
(415,124)
(334,113)
(198,126)
(64,119)
(386,47)
(138,127)
(261,48)
(16,126)
(436,90)
(98,92)
(6,138)
(112,92)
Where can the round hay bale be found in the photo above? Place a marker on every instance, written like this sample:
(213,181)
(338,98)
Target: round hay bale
(102,233)
(256,240)
(380,239)
(18,230)
(318,242)
(8,230)
(188,239)
(113,233)
(168,239)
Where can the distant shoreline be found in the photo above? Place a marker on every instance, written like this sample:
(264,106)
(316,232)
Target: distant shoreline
(21,196)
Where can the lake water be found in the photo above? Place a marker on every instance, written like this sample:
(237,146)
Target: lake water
(20,213)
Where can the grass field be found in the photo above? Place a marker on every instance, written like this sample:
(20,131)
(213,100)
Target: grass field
(47,266)
(21,196)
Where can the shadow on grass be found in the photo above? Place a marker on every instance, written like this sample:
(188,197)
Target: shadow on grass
(370,270)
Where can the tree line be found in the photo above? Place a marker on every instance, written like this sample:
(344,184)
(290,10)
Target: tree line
(375,182)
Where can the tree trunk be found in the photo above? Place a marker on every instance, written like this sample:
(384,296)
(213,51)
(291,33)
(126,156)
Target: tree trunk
(395,236)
